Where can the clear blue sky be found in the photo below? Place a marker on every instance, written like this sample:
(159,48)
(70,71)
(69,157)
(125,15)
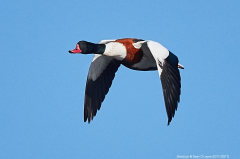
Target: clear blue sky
(42,85)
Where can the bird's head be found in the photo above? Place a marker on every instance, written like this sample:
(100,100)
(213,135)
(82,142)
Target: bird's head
(81,47)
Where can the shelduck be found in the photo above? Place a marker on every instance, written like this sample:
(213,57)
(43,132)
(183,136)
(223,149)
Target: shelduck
(136,54)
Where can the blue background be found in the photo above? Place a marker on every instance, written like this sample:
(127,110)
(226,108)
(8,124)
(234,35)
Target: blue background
(42,85)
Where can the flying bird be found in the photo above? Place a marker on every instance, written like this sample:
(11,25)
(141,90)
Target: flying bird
(133,53)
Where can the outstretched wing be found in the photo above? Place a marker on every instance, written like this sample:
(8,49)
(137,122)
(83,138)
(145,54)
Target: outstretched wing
(99,80)
(171,84)
(167,64)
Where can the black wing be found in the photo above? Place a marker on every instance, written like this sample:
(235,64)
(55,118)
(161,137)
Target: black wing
(100,76)
(171,84)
